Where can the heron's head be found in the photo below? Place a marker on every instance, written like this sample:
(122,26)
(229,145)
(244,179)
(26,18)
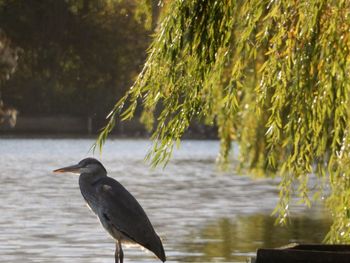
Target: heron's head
(87,165)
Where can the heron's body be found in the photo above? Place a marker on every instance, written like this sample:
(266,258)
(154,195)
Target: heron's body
(119,212)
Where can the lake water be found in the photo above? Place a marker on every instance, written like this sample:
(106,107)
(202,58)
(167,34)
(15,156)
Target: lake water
(201,214)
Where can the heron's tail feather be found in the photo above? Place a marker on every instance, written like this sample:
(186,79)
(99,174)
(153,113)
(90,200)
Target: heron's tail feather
(161,254)
(157,249)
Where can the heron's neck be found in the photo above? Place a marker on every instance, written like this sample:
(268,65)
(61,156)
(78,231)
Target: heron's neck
(87,184)
(91,178)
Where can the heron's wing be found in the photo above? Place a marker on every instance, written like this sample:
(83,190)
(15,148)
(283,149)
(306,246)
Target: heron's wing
(124,212)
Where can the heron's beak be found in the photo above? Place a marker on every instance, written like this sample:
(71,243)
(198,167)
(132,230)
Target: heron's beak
(69,169)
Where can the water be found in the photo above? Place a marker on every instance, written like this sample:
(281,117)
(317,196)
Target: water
(201,214)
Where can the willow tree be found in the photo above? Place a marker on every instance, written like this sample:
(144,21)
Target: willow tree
(272,76)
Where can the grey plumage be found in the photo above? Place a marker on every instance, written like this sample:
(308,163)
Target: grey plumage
(119,212)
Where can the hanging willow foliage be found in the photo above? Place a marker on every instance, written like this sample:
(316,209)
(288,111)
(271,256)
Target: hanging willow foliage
(273,75)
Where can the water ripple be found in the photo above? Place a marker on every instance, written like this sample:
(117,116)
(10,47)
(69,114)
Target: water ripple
(195,209)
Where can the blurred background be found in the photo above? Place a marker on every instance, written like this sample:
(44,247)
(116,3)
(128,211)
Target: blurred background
(63,65)
(67,62)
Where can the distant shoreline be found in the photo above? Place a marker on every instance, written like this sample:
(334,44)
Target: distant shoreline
(78,127)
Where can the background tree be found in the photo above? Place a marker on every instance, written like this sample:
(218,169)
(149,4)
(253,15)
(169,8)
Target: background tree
(8,65)
(8,57)
(78,55)
(271,75)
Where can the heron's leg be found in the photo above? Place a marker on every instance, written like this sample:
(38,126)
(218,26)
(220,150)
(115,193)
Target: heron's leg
(121,253)
(116,253)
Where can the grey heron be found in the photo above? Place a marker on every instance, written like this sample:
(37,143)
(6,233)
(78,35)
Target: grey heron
(119,212)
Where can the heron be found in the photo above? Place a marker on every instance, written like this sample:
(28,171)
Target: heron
(119,212)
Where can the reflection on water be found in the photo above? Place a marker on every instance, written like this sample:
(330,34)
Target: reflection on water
(200,213)
(234,240)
